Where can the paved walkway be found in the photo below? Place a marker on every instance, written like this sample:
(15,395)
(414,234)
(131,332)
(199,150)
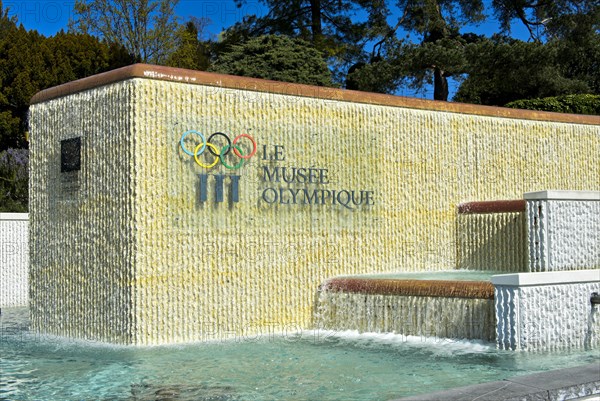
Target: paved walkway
(580,383)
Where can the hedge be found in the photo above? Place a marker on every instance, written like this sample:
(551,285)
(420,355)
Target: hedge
(576,104)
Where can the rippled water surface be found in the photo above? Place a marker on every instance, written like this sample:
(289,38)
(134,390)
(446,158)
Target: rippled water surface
(309,365)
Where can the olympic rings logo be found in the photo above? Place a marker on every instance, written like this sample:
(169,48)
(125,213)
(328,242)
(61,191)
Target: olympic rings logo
(218,153)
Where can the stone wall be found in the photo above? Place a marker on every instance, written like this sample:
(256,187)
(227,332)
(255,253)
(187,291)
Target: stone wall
(547,311)
(83,223)
(564,230)
(14,259)
(136,251)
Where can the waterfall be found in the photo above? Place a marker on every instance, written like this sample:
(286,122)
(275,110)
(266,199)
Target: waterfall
(402,307)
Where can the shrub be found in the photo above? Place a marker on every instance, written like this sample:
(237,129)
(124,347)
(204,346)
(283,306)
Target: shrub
(576,104)
(14,180)
(278,58)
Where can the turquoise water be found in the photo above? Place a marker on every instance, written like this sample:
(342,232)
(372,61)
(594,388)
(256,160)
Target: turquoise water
(459,275)
(308,365)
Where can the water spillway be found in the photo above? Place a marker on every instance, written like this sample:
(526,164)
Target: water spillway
(429,308)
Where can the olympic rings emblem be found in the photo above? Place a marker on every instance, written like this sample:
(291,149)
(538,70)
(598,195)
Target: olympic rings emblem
(219,154)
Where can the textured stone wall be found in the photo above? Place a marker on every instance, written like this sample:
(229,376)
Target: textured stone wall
(133,255)
(492,241)
(563,234)
(14,259)
(82,224)
(547,317)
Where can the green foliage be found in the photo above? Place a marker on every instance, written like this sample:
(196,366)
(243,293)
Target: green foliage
(543,19)
(191,52)
(335,28)
(502,70)
(447,53)
(327,24)
(440,52)
(577,44)
(576,104)
(30,62)
(14,189)
(146,28)
(380,77)
(6,23)
(25,68)
(384,72)
(275,57)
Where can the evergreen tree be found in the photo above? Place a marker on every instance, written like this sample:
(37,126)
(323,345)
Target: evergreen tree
(543,18)
(437,24)
(331,26)
(191,52)
(275,57)
(502,70)
(30,62)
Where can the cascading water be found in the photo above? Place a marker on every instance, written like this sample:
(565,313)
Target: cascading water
(445,309)
(592,338)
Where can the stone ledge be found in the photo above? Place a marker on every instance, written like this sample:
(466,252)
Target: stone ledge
(500,206)
(14,216)
(563,195)
(547,278)
(423,288)
(562,384)
(285,88)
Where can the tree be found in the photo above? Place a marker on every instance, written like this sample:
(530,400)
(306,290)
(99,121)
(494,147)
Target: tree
(14,179)
(330,26)
(23,71)
(437,24)
(6,23)
(577,41)
(324,23)
(8,122)
(502,70)
(30,62)
(190,52)
(278,58)
(383,71)
(146,28)
(543,18)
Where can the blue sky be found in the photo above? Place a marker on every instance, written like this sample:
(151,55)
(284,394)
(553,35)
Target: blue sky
(49,17)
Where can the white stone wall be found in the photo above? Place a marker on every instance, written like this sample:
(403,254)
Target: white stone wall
(548,316)
(564,234)
(14,259)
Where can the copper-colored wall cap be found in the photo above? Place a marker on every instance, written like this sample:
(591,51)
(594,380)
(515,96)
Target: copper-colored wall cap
(422,288)
(500,206)
(262,85)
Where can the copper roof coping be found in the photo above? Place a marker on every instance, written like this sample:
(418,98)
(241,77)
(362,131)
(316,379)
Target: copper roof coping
(499,206)
(421,288)
(261,85)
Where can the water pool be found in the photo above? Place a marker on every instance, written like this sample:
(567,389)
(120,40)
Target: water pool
(306,365)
